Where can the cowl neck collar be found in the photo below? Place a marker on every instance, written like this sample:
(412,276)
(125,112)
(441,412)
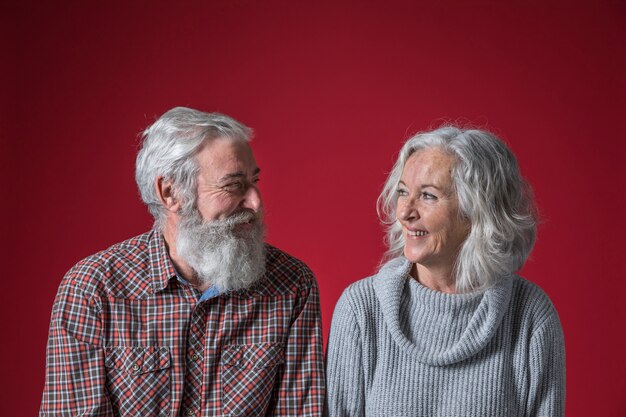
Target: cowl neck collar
(486,310)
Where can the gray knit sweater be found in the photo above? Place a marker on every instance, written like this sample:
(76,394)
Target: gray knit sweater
(397,348)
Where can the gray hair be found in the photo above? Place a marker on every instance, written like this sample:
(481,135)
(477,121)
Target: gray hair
(168,150)
(492,195)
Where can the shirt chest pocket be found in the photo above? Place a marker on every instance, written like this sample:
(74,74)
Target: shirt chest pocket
(248,377)
(138,379)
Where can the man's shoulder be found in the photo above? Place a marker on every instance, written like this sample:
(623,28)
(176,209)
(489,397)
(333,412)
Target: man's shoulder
(285,272)
(111,269)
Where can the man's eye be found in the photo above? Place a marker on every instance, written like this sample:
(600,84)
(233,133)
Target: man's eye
(233,186)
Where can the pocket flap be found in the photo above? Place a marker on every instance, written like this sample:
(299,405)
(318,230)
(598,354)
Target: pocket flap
(260,355)
(137,360)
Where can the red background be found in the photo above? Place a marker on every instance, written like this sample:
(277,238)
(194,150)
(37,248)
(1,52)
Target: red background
(332,89)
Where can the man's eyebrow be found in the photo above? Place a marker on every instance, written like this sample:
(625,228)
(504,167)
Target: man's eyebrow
(238,174)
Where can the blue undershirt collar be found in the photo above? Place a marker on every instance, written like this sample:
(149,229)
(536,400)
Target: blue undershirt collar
(209,293)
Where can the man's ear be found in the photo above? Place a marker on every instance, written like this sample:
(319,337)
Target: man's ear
(165,192)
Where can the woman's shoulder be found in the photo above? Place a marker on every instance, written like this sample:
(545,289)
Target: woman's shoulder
(531,303)
(366,292)
(359,291)
(396,268)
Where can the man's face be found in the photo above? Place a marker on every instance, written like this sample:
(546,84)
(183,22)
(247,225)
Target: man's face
(227,180)
(222,237)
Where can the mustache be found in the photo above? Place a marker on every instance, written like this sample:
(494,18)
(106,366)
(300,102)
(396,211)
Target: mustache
(195,221)
(241,217)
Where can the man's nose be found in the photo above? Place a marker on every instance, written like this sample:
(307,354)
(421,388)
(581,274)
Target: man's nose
(252,199)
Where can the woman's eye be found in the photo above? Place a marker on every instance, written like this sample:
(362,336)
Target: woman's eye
(428,196)
(401,192)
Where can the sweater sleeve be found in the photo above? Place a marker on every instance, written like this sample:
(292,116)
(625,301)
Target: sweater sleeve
(345,395)
(547,370)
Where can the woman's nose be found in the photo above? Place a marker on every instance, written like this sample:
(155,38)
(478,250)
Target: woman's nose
(407,210)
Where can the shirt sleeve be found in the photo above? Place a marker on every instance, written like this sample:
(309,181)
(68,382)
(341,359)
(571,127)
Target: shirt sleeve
(344,365)
(301,387)
(75,374)
(547,370)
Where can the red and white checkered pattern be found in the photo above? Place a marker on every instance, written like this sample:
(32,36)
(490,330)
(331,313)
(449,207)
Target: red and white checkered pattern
(128,339)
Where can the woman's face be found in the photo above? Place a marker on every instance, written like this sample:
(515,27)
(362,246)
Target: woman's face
(428,210)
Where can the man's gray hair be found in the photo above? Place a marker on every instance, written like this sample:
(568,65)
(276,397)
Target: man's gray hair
(492,195)
(169,148)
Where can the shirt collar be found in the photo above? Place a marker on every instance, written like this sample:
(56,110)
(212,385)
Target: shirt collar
(161,266)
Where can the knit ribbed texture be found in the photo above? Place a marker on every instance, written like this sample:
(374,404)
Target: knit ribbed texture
(397,348)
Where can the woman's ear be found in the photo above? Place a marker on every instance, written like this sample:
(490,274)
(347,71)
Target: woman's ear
(165,192)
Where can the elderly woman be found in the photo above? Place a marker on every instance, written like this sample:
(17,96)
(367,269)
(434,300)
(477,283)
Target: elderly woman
(445,328)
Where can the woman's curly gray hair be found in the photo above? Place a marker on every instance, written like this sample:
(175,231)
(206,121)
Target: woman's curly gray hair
(492,195)
(169,148)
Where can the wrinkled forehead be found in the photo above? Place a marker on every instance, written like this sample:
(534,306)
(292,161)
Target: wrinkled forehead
(223,155)
(430,164)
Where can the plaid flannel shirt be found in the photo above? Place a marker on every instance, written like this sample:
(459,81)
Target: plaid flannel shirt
(128,339)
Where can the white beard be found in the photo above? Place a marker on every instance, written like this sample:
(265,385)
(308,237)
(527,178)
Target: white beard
(220,255)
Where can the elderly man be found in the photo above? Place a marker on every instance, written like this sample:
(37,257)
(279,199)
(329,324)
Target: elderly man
(197,317)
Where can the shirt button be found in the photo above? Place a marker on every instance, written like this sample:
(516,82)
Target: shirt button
(195,357)
(189,412)
(135,367)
